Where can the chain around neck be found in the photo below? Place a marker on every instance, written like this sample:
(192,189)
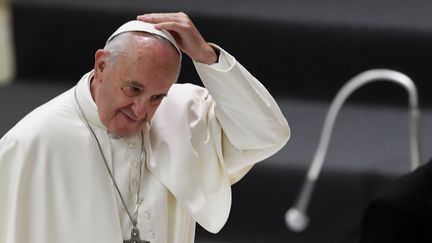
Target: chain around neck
(134,219)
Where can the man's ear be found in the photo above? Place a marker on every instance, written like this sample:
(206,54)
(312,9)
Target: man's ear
(100,62)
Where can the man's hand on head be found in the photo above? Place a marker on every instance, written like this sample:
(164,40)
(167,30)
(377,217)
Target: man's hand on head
(186,34)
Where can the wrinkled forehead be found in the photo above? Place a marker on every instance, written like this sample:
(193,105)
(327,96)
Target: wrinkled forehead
(140,26)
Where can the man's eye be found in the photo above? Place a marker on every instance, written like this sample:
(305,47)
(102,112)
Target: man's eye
(131,90)
(156,99)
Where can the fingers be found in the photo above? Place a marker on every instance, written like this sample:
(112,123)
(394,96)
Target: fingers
(174,27)
(156,18)
(176,22)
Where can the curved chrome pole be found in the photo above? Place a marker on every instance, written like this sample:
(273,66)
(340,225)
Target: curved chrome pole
(296,218)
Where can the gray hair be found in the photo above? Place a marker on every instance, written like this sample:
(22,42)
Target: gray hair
(117,47)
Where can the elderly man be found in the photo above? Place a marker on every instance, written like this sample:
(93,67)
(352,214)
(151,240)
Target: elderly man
(127,155)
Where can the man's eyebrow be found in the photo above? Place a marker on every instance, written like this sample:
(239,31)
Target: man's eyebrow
(141,86)
(136,84)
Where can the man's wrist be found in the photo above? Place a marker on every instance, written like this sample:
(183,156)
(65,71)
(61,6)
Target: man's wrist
(217,52)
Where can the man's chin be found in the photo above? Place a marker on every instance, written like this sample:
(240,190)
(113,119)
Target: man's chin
(123,128)
(124,133)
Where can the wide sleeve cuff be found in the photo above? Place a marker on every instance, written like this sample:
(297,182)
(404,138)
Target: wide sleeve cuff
(224,64)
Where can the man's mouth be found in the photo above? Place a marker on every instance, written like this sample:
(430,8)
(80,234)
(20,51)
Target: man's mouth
(129,117)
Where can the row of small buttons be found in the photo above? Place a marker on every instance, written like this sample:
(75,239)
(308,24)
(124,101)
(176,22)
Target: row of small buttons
(132,156)
(135,184)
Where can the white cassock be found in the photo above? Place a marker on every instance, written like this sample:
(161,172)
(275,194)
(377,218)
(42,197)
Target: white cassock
(54,186)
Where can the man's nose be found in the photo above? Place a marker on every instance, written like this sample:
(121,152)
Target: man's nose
(140,108)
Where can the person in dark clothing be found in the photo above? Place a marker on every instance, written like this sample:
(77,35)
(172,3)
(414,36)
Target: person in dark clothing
(401,212)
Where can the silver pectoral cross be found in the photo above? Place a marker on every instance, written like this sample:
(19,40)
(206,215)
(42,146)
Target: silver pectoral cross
(135,237)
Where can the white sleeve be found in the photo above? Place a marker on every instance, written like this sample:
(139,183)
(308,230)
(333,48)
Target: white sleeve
(253,126)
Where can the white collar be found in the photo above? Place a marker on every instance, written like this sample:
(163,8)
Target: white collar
(85,100)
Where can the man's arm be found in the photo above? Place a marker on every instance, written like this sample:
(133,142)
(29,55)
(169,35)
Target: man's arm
(253,126)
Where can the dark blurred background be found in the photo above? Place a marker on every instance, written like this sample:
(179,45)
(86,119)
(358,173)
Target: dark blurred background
(303,52)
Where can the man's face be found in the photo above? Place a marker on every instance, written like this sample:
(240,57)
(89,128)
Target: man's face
(128,91)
